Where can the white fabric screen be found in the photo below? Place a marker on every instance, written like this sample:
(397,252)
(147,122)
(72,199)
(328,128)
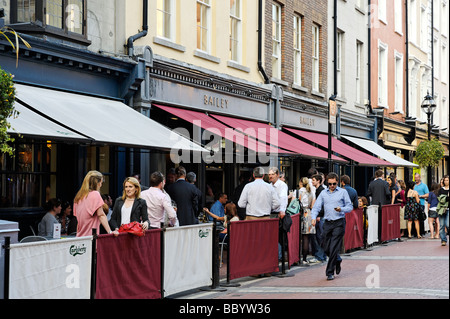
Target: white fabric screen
(57,269)
(372,218)
(187,258)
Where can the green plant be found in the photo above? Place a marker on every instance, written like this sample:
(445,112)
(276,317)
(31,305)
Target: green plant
(7,110)
(429,153)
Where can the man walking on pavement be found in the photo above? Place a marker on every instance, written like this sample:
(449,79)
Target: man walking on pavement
(335,203)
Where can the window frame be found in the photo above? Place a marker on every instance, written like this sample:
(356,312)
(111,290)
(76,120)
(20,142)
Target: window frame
(276,40)
(315,85)
(172,20)
(39,25)
(298,50)
(236,43)
(208,7)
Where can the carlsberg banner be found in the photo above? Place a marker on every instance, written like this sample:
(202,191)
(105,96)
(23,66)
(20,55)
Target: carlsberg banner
(187,258)
(57,269)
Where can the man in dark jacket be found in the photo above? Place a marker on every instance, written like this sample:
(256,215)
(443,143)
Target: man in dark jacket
(186,197)
(379,190)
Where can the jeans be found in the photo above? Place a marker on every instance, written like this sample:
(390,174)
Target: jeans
(443,221)
(320,254)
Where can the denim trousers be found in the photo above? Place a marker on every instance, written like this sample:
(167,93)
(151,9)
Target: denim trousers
(443,221)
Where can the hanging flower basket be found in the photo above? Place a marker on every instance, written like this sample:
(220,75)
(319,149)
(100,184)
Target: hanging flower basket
(430,153)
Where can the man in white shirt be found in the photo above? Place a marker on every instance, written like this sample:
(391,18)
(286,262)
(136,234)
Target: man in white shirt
(259,197)
(158,202)
(280,188)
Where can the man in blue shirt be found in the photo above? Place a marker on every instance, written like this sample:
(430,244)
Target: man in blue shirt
(336,203)
(218,208)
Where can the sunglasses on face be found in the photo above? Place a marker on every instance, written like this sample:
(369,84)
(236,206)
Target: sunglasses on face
(332,184)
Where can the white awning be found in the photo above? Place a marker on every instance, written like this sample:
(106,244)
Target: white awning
(31,124)
(105,121)
(376,149)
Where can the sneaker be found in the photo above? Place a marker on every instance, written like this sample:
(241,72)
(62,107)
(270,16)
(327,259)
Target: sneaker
(313,261)
(443,244)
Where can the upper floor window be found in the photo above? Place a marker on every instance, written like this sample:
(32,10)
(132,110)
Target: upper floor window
(235,30)
(298,50)
(316,58)
(276,41)
(203,25)
(165,18)
(58,18)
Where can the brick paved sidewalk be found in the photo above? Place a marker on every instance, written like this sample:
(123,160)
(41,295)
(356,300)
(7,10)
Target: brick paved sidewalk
(413,269)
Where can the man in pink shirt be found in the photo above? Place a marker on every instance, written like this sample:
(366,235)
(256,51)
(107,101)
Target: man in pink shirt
(158,202)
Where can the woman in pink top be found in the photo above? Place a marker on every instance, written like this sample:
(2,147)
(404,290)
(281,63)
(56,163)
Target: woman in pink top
(88,206)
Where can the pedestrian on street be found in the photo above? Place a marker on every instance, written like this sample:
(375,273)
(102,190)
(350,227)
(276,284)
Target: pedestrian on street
(88,206)
(336,203)
(443,217)
(412,208)
(317,181)
(433,217)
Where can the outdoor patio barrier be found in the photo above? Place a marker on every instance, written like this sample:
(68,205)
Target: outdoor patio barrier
(354,231)
(168,261)
(58,269)
(390,222)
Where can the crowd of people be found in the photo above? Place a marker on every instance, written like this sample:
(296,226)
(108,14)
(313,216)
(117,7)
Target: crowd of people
(324,201)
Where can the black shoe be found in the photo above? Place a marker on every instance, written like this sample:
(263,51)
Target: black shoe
(330,277)
(338,267)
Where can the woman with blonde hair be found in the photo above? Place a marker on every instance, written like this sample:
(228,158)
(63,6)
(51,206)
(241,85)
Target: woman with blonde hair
(130,207)
(88,206)
(306,197)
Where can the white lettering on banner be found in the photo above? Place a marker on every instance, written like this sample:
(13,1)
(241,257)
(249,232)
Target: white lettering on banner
(73,279)
(373,280)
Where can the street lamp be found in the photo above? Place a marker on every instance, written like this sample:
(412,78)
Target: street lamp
(428,107)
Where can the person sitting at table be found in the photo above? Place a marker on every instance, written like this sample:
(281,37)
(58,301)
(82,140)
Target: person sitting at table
(45,227)
(130,207)
(65,218)
(231,215)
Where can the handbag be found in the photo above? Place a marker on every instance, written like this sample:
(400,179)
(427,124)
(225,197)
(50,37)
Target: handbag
(294,207)
(422,215)
(133,228)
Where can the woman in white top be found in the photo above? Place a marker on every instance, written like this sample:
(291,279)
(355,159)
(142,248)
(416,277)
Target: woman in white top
(130,207)
(307,198)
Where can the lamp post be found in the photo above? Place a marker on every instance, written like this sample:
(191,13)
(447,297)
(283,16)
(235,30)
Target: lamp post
(428,107)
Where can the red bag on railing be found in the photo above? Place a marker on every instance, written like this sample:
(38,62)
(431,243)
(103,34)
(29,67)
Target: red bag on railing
(133,228)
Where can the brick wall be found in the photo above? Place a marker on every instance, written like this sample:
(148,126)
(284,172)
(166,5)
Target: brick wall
(312,12)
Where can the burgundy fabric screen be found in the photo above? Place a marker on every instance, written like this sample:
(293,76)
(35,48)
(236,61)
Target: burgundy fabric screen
(354,231)
(253,248)
(294,241)
(129,267)
(390,222)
